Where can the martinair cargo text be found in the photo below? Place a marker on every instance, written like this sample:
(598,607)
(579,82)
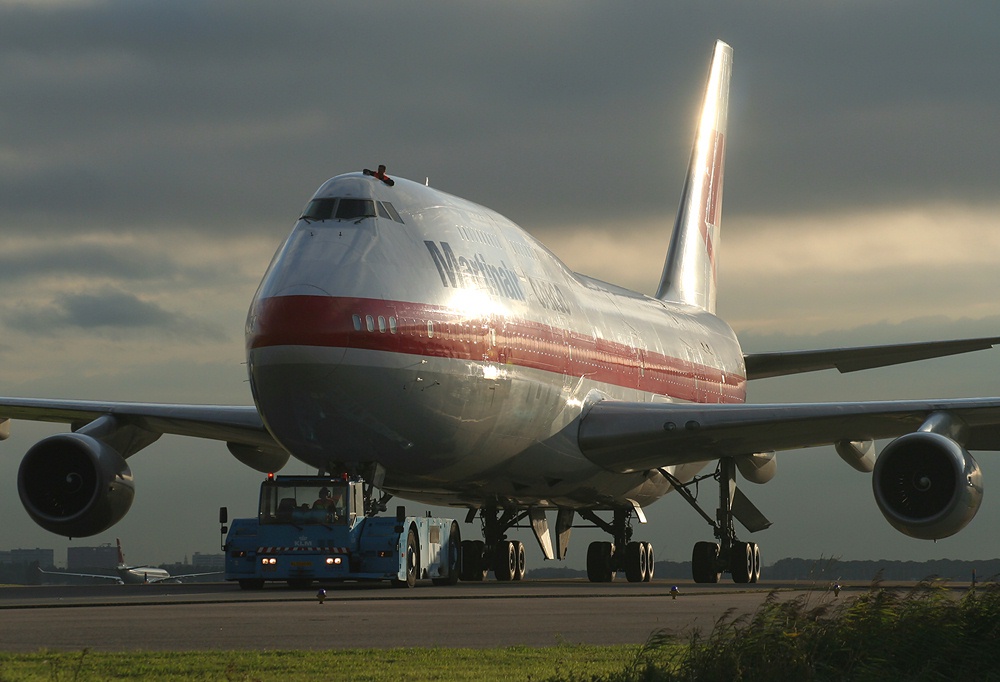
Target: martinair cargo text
(436,349)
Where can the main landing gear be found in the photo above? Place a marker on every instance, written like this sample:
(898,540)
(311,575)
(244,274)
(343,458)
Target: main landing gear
(606,559)
(710,560)
(495,553)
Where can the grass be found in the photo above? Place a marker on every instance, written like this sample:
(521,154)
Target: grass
(925,633)
(501,665)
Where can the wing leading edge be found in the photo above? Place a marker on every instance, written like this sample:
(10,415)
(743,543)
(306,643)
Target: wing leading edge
(630,437)
(239,426)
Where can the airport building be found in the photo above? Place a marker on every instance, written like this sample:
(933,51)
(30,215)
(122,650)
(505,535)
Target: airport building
(19,565)
(90,559)
(208,562)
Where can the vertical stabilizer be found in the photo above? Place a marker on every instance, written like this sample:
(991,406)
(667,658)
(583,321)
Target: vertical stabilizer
(690,269)
(121,554)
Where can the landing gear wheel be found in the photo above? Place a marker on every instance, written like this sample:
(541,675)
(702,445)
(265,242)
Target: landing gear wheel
(755,550)
(412,561)
(742,563)
(454,557)
(519,563)
(705,562)
(649,562)
(505,561)
(473,566)
(636,562)
(599,562)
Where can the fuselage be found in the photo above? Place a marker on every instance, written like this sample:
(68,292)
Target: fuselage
(402,327)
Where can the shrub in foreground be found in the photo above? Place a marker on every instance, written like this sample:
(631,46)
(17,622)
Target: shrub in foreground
(925,633)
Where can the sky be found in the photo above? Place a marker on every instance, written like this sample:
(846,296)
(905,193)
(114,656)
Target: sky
(154,155)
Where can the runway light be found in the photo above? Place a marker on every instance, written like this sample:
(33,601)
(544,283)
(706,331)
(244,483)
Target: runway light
(321,595)
(674,592)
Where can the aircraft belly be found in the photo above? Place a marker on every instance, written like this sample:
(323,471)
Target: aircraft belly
(460,432)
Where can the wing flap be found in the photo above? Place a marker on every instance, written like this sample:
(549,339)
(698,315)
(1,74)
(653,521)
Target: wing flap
(630,437)
(765,365)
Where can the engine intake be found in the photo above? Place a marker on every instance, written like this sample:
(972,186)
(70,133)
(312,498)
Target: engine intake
(74,485)
(927,485)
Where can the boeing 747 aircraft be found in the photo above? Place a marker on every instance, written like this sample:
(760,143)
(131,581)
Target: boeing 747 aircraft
(433,347)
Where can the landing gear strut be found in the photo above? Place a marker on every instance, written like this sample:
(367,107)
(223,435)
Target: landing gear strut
(606,559)
(710,560)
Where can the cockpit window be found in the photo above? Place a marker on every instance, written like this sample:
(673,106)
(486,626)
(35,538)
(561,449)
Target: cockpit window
(341,209)
(348,209)
(319,209)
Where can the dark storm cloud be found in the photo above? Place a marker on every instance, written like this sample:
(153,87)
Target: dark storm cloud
(230,114)
(105,311)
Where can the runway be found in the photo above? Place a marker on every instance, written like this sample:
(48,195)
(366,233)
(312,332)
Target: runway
(219,616)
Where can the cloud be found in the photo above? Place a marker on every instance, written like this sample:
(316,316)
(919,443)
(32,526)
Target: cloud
(154,155)
(109,311)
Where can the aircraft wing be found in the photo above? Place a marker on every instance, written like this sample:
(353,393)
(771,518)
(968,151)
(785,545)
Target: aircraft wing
(187,575)
(237,425)
(84,575)
(628,437)
(764,365)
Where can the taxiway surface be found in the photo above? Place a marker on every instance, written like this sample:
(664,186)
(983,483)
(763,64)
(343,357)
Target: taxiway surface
(219,616)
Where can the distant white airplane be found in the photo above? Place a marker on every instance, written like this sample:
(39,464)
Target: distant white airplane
(433,347)
(132,575)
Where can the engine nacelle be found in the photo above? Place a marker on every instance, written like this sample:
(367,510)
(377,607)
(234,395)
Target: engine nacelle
(74,485)
(927,485)
(759,467)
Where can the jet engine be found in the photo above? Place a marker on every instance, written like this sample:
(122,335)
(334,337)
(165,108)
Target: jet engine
(927,485)
(74,485)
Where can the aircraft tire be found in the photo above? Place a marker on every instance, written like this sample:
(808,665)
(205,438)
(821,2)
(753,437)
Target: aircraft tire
(705,562)
(520,567)
(473,566)
(635,562)
(756,562)
(649,563)
(599,562)
(505,561)
(741,563)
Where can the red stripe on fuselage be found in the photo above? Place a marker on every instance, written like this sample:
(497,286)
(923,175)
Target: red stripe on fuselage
(432,331)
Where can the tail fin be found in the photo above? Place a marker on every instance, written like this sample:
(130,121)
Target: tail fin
(689,271)
(121,554)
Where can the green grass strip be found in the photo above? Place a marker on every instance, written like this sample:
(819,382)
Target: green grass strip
(374,665)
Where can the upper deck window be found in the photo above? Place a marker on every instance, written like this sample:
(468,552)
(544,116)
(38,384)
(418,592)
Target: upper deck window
(340,209)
